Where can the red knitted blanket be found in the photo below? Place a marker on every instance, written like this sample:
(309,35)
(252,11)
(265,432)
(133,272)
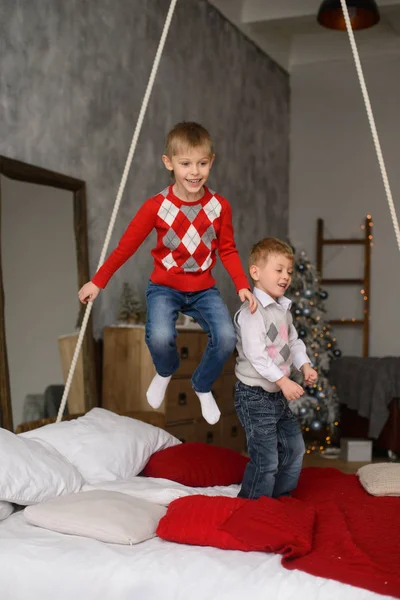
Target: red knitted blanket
(331,528)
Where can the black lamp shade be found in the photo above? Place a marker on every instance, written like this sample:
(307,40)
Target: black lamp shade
(363,14)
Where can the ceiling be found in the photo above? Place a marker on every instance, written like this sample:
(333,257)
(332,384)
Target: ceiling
(287,30)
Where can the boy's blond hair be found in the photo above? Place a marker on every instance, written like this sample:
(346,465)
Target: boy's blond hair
(264,248)
(187,135)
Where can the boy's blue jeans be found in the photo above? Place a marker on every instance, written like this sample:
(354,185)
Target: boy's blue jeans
(274,441)
(209,310)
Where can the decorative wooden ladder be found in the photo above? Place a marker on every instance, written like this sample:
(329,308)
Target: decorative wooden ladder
(366,241)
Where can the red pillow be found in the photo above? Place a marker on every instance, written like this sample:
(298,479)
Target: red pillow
(197,465)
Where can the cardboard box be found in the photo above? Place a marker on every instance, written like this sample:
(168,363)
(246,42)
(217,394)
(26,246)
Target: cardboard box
(356,450)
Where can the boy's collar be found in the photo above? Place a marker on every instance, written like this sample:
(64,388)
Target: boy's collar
(266,299)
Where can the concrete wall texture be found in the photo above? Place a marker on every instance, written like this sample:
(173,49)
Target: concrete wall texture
(72,78)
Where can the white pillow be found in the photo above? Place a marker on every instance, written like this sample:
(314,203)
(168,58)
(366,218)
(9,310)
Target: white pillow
(32,472)
(380,479)
(6,508)
(105,446)
(106,516)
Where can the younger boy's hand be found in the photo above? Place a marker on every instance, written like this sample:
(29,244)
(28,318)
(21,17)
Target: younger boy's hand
(290,389)
(244,295)
(310,376)
(88,292)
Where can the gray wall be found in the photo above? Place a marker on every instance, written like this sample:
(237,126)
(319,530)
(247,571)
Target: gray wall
(72,79)
(335,176)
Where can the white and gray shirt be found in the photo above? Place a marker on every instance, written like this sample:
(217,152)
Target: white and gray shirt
(267,343)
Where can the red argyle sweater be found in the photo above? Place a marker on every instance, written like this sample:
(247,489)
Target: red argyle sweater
(188,236)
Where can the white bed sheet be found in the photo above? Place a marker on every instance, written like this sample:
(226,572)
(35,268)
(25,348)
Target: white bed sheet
(160,491)
(45,565)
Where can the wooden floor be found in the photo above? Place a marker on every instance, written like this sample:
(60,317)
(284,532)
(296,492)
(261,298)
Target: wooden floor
(318,460)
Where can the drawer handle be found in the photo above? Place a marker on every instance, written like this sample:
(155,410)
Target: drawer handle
(209,437)
(184,352)
(182,399)
(234,431)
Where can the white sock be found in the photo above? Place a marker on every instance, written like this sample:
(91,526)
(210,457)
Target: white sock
(209,407)
(156,392)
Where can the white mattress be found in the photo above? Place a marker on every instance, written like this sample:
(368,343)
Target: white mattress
(37,564)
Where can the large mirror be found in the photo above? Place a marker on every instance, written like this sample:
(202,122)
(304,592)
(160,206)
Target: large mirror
(43,262)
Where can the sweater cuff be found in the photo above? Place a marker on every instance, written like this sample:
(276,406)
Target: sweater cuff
(241,283)
(100,281)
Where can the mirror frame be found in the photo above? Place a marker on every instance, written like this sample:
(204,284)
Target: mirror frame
(15,169)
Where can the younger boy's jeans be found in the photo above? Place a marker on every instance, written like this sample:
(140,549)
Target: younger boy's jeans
(209,310)
(274,441)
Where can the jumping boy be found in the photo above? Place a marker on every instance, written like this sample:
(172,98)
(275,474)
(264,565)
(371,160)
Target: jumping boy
(267,347)
(192,223)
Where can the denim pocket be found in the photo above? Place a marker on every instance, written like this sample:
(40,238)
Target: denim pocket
(261,411)
(150,286)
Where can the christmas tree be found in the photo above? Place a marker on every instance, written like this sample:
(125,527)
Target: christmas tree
(130,307)
(318,409)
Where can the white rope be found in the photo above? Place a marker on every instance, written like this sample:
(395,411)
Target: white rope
(131,153)
(371,120)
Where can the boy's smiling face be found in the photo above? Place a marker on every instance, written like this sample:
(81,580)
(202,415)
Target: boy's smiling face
(191,167)
(274,275)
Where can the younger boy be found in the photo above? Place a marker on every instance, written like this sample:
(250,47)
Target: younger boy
(192,224)
(267,347)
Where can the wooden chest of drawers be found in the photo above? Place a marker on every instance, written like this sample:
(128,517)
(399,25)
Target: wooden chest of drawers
(128,371)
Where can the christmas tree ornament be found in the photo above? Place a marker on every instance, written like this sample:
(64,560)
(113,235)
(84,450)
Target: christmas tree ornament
(316,425)
(306,311)
(323,294)
(302,333)
(337,353)
(309,293)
